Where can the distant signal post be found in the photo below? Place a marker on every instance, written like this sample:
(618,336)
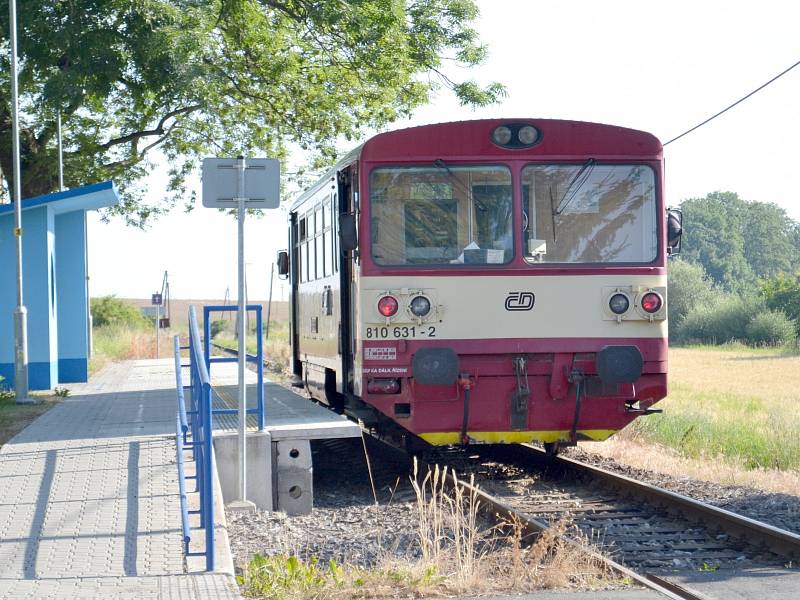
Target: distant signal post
(241,184)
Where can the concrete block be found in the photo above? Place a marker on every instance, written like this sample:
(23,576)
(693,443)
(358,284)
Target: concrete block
(293,454)
(295,491)
(259,467)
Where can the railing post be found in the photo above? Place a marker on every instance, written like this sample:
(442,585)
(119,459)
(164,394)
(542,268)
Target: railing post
(207,338)
(208,452)
(260,366)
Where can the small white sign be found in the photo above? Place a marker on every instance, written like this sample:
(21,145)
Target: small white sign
(380,353)
(262,183)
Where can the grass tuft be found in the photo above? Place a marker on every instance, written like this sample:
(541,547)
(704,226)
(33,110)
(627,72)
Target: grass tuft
(456,555)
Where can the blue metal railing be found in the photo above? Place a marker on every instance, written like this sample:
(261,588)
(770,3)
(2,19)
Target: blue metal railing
(181,441)
(258,358)
(194,430)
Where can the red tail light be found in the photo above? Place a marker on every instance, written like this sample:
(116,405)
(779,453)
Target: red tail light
(651,302)
(383,386)
(387,306)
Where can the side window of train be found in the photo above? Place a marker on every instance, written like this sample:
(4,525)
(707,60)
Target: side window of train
(335,234)
(317,244)
(301,242)
(326,239)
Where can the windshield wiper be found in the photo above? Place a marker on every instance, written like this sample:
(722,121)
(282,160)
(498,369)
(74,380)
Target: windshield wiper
(440,164)
(575,185)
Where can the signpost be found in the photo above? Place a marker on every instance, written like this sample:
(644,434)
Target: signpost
(241,184)
(156,300)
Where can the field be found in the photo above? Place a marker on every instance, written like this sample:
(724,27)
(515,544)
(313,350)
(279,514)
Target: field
(731,416)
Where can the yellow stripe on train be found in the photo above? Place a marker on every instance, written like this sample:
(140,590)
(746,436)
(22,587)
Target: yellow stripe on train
(448,438)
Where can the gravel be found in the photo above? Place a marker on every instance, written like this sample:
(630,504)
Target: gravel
(779,510)
(345,525)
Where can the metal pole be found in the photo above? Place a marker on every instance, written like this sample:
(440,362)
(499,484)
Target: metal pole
(60,152)
(158,316)
(269,302)
(242,315)
(20,312)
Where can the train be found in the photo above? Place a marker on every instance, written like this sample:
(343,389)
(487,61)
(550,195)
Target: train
(492,281)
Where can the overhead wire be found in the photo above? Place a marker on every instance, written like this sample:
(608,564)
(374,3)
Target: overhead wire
(739,101)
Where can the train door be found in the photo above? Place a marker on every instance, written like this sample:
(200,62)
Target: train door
(294,298)
(346,203)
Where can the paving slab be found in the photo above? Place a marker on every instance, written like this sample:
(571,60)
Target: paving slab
(287,415)
(89,504)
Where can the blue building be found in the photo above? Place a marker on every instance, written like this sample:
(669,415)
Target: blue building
(55,280)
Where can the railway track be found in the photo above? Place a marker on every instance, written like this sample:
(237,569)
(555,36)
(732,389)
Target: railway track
(637,530)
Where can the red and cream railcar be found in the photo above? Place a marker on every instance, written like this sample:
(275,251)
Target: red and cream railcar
(490,281)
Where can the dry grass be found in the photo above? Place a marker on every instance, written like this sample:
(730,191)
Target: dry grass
(768,373)
(119,342)
(629,448)
(457,557)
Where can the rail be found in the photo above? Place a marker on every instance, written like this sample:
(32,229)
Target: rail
(257,358)
(194,431)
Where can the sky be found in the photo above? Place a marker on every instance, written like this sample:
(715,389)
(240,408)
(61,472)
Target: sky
(661,67)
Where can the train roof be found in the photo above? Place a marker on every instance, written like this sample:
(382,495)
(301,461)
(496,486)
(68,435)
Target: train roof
(466,140)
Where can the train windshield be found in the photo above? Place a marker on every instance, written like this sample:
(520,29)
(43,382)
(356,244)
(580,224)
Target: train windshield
(442,215)
(589,213)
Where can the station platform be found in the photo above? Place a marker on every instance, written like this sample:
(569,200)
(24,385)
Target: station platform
(89,501)
(287,414)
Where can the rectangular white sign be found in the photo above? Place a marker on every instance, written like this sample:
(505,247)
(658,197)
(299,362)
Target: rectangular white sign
(262,183)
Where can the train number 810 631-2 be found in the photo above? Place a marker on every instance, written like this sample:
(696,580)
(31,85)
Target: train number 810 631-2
(403,331)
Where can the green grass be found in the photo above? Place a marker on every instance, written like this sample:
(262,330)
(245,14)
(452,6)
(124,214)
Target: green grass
(736,404)
(745,429)
(276,348)
(16,417)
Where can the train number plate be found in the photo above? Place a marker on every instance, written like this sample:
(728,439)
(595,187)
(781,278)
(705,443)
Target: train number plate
(388,332)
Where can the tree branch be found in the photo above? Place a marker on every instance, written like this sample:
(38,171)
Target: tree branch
(158,130)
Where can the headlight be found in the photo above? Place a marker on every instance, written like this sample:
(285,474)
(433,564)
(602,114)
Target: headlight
(619,304)
(420,306)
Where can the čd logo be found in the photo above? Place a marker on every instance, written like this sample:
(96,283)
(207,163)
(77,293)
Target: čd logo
(516,301)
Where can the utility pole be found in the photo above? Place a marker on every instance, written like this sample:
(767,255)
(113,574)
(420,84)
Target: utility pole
(20,312)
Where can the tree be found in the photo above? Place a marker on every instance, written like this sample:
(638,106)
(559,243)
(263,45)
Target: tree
(738,241)
(190,78)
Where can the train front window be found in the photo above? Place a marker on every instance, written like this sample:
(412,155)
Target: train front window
(442,215)
(589,213)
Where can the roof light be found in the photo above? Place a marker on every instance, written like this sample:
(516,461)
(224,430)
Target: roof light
(501,135)
(528,135)
(387,306)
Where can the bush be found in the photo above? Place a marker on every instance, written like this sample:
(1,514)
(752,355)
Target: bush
(722,321)
(782,293)
(5,392)
(689,287)
(217,327)
(771,328)
(108,310)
